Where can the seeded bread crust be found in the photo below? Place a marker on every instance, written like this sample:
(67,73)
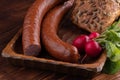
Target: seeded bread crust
(95,15)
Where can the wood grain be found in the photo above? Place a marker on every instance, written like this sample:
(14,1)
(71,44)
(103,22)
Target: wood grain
(12,14)
(14,53)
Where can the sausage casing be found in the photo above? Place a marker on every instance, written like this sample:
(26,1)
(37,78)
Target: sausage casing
(53,44)
(32,26)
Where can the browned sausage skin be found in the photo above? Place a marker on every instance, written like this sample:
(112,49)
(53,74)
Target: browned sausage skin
(55,46)
(32,24)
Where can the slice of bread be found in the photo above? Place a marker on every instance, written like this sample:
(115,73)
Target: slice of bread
(95,15)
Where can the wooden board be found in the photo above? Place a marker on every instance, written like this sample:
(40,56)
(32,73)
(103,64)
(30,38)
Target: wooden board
(16,11)
(13,52)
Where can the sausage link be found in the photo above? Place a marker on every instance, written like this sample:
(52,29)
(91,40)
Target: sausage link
(53,44)
(32,25)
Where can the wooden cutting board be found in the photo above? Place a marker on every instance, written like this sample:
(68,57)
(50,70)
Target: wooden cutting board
(12,14)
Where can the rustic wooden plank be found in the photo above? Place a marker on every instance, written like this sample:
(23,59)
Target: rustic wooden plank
(107,77)
(19,74)
(12,13)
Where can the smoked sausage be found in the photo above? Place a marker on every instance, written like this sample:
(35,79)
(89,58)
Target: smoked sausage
(32,25)
(53,44)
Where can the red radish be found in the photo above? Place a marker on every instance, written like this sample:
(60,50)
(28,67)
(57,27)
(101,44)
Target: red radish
(92,48)
(80,42)
(94,35)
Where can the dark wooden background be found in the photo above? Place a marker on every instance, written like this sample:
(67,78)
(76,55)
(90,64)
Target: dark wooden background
(12,14)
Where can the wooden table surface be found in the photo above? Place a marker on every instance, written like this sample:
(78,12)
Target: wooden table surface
(12,14)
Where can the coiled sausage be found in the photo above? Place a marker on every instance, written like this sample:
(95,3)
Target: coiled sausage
(32,25)
(54,45)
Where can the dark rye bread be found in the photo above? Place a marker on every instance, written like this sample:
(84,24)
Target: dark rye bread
(95,15)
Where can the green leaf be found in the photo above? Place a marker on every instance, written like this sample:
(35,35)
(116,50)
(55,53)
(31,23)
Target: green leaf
(113,36)
(113,53)
(115,26)
(110,41)
(111,67)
